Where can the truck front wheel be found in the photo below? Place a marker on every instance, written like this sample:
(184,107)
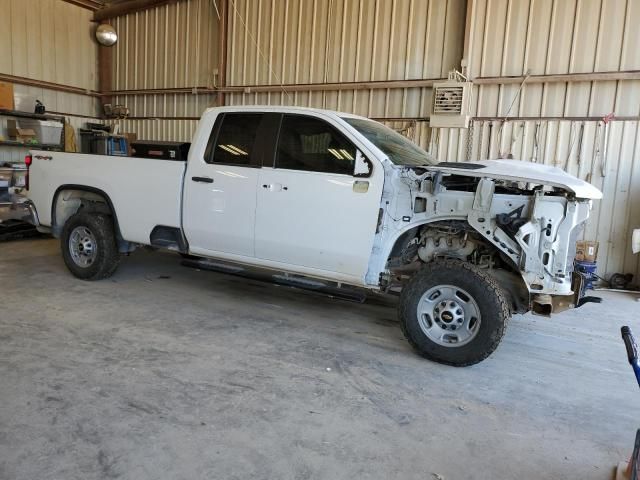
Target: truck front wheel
(453,313)
(89,246)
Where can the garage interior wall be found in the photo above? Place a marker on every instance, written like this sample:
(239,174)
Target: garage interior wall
(50,41)
(290,42)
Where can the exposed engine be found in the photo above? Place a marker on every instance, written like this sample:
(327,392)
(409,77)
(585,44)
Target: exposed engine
(450,239)
(446,239)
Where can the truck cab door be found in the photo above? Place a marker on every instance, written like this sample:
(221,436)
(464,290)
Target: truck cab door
(219,201)
(315,214)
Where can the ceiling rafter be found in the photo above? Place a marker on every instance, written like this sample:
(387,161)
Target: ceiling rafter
(125,7)
(92,5)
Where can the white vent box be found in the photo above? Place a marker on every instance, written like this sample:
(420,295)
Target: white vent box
(451,105)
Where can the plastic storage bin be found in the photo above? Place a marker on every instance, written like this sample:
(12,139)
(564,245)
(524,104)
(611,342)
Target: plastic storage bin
(48,132)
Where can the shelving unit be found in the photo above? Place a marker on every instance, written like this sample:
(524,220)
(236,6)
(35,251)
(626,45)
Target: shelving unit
(19,114)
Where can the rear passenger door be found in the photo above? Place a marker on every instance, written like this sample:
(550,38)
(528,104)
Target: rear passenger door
(220,188)
(312,213)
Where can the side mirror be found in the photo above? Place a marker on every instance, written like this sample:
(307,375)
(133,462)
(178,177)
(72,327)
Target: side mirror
(363,166)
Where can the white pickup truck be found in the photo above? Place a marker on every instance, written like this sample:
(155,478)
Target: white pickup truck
(339,198)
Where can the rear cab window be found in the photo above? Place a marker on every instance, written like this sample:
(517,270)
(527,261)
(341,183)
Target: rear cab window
(233,139)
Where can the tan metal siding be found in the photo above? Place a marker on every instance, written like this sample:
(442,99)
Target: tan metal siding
(289,41)
(49,40)
(174,45)
(344,41)
(516,37)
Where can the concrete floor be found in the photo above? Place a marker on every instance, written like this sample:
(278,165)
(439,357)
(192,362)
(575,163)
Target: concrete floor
(204,375)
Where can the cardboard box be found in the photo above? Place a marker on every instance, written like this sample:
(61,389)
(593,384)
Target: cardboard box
(23,135)
(586,251)
(131,137)
(6,96)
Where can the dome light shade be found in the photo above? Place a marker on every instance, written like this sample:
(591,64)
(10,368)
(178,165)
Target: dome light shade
(106,35)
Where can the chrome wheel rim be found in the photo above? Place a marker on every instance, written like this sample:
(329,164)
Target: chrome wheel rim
(82,247)
(448,316)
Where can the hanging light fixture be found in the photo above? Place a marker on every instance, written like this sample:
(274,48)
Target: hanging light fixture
(106,35)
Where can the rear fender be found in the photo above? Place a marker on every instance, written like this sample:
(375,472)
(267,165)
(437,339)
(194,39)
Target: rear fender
(69,199)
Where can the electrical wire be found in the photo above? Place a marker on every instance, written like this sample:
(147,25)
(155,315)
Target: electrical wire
(262,55)
(506,115)
(215,5)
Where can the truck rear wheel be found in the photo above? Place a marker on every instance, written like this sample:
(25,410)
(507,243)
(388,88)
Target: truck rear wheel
(89,246)
(453,313)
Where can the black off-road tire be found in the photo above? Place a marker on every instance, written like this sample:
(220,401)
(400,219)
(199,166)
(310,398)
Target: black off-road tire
(489,297)
(107,256)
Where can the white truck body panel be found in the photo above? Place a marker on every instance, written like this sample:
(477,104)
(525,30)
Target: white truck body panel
(321,221)
(521,171)
(220,217)
(129,182)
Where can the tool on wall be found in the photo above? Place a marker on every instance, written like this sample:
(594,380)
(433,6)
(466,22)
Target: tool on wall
(603,164)
(40,109)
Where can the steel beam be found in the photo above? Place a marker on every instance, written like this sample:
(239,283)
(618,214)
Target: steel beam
(130,6)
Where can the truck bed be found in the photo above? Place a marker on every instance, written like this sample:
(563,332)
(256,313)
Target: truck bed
(153,185)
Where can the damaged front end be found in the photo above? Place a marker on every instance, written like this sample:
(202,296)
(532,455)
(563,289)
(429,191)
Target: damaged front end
(518,220)
(546,304)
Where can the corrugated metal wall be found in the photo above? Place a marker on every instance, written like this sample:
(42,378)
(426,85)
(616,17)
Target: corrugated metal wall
(326,41)
(287,41)
(172,46)
(52,41)
(516,37)
(49,40)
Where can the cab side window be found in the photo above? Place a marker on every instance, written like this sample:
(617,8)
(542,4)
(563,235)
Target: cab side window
(233,138)
(310,144)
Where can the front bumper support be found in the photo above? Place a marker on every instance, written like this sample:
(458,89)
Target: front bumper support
(546,304)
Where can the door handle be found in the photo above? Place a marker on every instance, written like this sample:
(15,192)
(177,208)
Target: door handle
(274,187)
(202,179)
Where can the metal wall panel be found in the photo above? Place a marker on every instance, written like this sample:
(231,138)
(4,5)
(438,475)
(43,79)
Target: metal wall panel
(517,37)
(319,41)
(50,40)
(174,45)
(289,41)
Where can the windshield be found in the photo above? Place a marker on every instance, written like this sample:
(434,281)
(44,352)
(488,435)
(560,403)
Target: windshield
(399,149)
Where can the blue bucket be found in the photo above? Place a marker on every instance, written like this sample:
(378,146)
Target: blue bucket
(588,269)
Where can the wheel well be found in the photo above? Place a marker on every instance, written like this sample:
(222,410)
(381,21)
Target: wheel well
(69,199)
(506,274)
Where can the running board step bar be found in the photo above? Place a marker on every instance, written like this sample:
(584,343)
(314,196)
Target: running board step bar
(324,288)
